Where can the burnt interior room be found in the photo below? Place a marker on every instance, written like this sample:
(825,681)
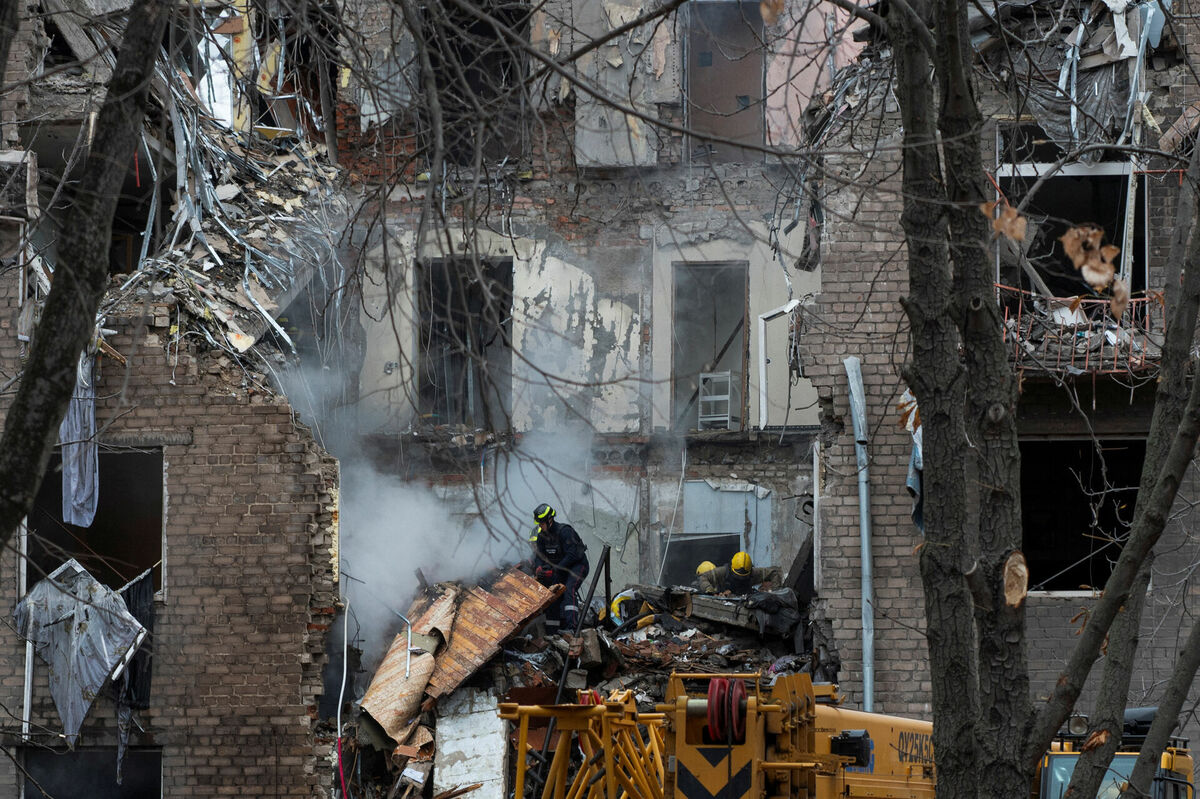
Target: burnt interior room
(465,365)
(479,73)
(1067,201)
(91,773)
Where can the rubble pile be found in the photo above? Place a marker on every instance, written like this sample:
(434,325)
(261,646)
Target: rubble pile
(1078,335)
(254,219)
(466,648)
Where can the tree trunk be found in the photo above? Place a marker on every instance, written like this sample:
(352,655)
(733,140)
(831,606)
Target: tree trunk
(991,422)
(937,379)
(68,319)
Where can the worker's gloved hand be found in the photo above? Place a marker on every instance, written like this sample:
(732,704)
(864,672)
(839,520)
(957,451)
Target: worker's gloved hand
(544,574)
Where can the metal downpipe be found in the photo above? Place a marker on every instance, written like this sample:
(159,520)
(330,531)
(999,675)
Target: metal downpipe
(858,412)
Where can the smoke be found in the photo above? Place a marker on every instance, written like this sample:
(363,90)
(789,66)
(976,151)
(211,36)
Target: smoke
(547,466)
(391,527)
(389,530)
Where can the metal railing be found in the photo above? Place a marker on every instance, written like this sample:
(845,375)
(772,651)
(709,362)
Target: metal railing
(1080,335)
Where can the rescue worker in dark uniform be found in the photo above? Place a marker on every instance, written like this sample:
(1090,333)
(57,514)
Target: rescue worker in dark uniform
(559,556)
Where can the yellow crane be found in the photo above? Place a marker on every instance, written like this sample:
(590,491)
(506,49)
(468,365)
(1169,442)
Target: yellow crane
(728,736)
(739,736)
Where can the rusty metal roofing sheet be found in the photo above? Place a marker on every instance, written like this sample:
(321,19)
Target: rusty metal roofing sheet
(485,618)
(394,700)
(434,612)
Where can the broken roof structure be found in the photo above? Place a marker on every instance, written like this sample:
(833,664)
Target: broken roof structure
(467,646)
(232,217)
(466,627)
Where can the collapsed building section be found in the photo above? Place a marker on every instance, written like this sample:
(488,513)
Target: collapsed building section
(427,720)
(178,573)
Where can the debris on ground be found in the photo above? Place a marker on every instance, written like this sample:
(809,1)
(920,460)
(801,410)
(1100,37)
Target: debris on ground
(423,719)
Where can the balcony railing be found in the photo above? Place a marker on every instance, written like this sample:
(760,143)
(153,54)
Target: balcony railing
(1079,335)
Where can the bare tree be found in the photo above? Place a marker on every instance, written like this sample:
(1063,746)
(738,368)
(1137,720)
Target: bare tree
(989,736)
(67,321)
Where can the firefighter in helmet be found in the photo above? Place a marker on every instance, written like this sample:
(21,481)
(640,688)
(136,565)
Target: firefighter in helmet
(559,556)
(740,576)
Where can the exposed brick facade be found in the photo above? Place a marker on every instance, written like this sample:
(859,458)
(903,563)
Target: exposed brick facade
(249,537)
(858,313)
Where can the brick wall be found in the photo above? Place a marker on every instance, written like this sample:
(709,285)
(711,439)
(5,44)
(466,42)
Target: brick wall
(858,314)
(14,99)
(249,584)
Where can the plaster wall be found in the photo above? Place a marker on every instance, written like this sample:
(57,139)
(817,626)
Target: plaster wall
(767,290)
(575,353)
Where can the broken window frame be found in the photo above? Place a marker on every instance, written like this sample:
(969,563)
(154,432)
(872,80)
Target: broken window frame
(717,152)
(501,140)
(29,575)
(1105,550)
(678,416)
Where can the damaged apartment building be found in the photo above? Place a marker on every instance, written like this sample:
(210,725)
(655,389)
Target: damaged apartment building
(584,290)
(640,268)
(574,253)
(173,587)
(1090,87)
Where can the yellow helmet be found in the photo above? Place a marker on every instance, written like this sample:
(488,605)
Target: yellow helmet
(706,566)
(741,564)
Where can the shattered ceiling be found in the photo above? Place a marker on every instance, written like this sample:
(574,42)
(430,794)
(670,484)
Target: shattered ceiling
(1076,69)
(238,221)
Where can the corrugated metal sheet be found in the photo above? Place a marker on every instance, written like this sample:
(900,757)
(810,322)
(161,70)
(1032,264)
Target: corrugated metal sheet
(484,619)
(392,699)
(434,612)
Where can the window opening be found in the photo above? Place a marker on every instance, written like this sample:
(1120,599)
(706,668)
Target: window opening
(1064,202)
(91,773)
(59,53)
(480,78)
(718,522)
(709,346)
(125,537)
(1026,142)
(465,370)
(688,552)
(295,54)
(725,77)
(1077,502)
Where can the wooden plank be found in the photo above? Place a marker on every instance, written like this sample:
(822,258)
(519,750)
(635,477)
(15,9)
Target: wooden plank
(77,38)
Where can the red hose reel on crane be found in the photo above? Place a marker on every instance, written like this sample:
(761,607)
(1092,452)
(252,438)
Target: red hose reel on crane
(727,710)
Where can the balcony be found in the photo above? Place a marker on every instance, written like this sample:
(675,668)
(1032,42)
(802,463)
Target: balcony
(1079,335)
